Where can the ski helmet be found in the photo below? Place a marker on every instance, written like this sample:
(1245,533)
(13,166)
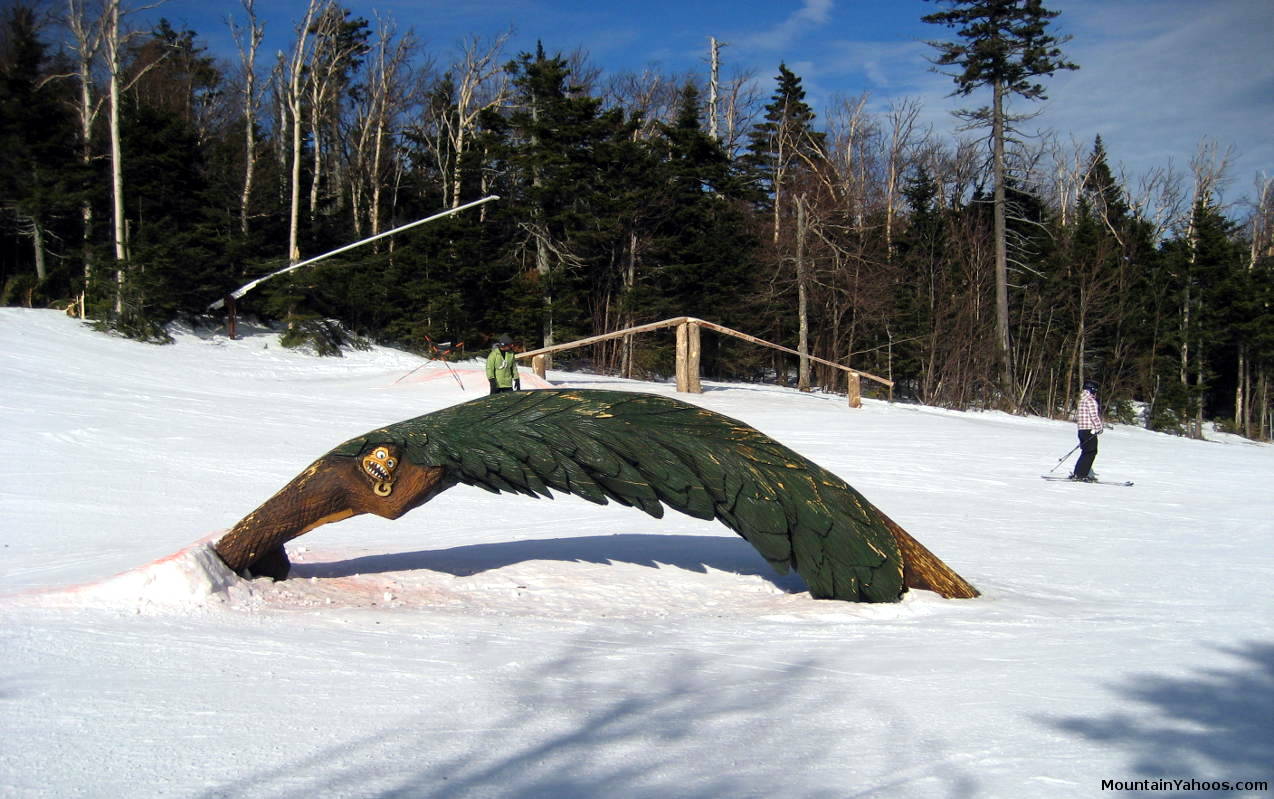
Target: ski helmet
(1090,385)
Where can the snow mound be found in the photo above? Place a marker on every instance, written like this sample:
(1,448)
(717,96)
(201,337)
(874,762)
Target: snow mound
(194,581)
(188,580)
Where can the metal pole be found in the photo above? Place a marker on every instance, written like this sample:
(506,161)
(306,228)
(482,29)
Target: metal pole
(1064,457)
(244,289)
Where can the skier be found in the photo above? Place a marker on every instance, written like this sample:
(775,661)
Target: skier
(502,367)
(1088,422)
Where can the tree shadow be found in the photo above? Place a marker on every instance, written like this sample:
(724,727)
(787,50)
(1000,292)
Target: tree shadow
(695,553)
(1212,725)
(571,727)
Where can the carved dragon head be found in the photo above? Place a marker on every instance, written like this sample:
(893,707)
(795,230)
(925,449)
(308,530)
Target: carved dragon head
(361,476)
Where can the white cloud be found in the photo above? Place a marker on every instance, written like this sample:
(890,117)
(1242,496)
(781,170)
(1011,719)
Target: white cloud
(1156,83)
(811,15)
(1155,79)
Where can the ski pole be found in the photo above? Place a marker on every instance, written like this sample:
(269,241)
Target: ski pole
(409,374)
(443,358)
(453,374)
(1064,457)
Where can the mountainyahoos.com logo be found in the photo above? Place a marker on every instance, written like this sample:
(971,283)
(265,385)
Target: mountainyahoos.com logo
(1184,785)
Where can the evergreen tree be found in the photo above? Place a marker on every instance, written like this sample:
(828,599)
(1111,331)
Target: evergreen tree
(1220,276)
(1197,282)
(920,257)
(1006,46)
(784,151)
(553,138)
(37,166)
(1102,192)
(783,145)
(1119,248)
(701,250)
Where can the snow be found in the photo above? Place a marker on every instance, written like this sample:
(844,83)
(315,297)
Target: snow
(489,646)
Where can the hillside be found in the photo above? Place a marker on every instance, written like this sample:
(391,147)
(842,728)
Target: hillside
(503,646)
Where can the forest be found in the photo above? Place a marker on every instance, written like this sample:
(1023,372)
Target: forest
(143,178)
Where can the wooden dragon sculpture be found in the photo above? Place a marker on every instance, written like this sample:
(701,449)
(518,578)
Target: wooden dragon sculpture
(640,450)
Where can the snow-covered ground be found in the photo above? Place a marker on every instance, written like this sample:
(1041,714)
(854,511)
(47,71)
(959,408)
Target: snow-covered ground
(500,646)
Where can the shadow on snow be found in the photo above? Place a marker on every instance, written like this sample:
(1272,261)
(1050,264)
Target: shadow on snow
(568,724)
(695,553)
(1214,724)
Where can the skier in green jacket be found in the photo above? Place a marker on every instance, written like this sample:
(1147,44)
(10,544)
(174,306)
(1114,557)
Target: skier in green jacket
(502,367)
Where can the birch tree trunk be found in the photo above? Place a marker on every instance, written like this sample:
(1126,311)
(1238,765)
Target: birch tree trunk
(318,85)
(543,263)
(780,171)
(86,42)
(112,41)
(37,241)
(335,47)
(248,55)
(475,94)
(293,98)
(386,101)
(316,147)
(714,51)
(1209,167)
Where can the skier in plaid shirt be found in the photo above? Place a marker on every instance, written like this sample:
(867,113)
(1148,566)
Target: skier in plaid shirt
(1088,421)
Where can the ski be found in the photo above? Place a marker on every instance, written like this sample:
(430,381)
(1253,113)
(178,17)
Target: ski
(1097,482)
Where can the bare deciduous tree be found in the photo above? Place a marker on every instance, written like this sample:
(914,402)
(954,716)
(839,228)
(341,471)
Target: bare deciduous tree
(337,45)
(388,89)
(251,102)
(86,43)
(902,131)
(482,84)
(292,82)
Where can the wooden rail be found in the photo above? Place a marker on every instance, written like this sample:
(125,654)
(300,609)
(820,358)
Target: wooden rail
(688,350)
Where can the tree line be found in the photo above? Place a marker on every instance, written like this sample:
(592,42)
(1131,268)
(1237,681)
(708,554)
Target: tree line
(142,179)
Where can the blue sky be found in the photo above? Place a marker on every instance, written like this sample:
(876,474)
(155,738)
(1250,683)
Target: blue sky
(1156,77)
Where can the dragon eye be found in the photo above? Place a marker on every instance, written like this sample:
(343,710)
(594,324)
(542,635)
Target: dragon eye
(381,454)
(391,463)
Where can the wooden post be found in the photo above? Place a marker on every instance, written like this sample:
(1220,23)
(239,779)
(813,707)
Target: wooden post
(688,353)
(538,366)
(682,368)
(232,318)
(692,359)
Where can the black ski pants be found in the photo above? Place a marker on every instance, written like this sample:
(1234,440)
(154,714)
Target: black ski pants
(1087,453)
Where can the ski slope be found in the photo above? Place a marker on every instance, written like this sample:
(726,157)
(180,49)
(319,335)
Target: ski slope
(502,646)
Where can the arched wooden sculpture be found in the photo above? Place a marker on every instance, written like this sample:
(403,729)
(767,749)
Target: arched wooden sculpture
(641,450)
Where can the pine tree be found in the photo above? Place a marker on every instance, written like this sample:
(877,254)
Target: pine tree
(784,151)
(701,246)
(553,138)
(783,144)
(37,157)
(1006,46)
(920,257)
(1224,311)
